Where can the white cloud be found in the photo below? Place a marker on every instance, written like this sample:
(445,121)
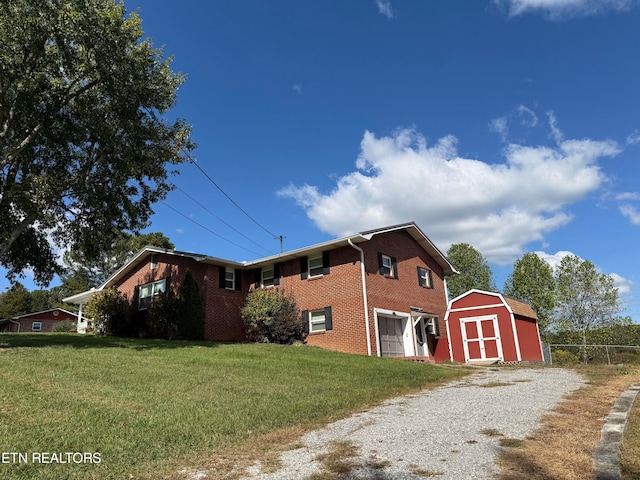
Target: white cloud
(624,285)
(557,135)
(631,213)
(554,259)
(558,9)
(527,117)
(634,138)
(500,126)
(522,114)
(628,196)
(497,207)
(384,8)
(297,87)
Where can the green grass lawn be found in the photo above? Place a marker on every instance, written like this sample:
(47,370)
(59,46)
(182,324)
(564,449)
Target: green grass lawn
(149,407)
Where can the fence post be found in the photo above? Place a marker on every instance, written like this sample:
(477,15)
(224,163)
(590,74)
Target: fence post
(608,358)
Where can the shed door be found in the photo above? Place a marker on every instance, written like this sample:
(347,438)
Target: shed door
(391,336)
(481,338)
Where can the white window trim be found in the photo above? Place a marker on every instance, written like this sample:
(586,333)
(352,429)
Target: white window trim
(387,263)
(227,279)
(320,267)
(317,322)
(154,292)
(424,277)
(33,326)
(271,279)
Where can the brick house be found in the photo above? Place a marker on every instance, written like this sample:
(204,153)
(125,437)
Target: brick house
(37,322)
(380,292)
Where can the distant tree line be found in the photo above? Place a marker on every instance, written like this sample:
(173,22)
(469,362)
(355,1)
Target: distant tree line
(79,273)
(574,302)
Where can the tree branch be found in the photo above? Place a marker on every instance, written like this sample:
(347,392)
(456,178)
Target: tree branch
(6,245)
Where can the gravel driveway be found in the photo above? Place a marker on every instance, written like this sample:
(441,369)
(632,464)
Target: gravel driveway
(435,433)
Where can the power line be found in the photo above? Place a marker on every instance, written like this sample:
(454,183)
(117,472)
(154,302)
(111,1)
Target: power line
(208,230)
(220,219)
(195,163)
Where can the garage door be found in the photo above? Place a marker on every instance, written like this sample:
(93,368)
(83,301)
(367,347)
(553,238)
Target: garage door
(481,338)
(391,336)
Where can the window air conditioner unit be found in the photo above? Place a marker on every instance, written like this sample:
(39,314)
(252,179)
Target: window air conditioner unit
(433,327)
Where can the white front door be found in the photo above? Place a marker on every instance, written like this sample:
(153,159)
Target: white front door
(420,334)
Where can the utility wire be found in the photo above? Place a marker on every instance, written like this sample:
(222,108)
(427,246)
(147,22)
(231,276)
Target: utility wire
(195,163)
(207,229)
(220,219)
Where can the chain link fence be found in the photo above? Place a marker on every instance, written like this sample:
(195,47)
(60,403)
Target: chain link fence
(566,354)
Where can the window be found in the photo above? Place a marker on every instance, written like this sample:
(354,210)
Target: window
(318,320)
(229,279)
(425,278)
(153,263)
(36,326)
(387,266)
(267,277)
(315,266)
(150,290)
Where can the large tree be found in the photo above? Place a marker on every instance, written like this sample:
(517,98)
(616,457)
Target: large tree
(84,145)
(586,299)
(473,267)
(98,268)
(15,301)
(532,281)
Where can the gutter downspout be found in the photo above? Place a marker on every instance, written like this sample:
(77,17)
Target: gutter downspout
(364,295)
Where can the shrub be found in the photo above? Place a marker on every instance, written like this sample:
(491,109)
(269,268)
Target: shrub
(563,357)
(162,316)
(64,327)
(270,316)
(109,311)
(190,313)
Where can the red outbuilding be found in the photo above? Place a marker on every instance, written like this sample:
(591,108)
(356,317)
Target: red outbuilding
(486,326)
(37,322)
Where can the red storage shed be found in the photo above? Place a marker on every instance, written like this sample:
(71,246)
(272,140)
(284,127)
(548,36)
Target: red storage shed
(486,326)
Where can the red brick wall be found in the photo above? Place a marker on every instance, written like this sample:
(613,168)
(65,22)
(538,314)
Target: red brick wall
(341,289)
(48,320)
(404,292)
(221,306)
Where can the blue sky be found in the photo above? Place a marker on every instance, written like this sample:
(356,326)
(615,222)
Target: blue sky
(511,125)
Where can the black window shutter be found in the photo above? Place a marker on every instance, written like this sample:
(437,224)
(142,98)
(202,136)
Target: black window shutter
(304,268)
(325,263)
(380,268)
(305,321)
(222,277)
(257,277)
(394,267)
(238,279)
(276,274)
(328,318)
(430,274)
